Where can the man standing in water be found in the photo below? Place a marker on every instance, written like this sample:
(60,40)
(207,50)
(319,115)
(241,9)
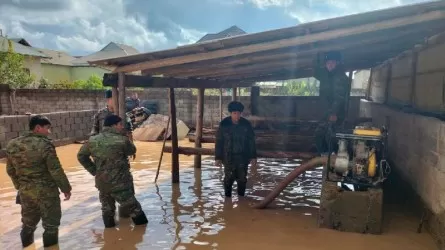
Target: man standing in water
(334,91)
(110,150)
(98,121)
(235,147)
(35,170)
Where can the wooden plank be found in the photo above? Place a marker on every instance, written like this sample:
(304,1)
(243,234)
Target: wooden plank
(115,96)
(167,82)
(174,137)
(412,97)
(121,87)
(352,46)
(289,42)
(261,154)
(254,96)
(199,125)
(220,105)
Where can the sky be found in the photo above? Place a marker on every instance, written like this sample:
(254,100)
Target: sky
(80,27)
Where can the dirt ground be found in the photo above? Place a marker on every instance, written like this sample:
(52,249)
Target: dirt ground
(195,215)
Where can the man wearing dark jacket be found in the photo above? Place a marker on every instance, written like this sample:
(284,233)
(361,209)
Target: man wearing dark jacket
(334,92)
(235,148)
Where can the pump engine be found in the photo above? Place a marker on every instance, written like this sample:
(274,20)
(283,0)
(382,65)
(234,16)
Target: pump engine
(360,158)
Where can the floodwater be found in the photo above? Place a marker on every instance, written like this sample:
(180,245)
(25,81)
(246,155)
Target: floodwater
(195,215)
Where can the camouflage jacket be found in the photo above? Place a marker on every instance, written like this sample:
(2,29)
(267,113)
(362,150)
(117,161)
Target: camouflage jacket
(109,151)
(334,88)
(34,167)
(98,121)
(235,139)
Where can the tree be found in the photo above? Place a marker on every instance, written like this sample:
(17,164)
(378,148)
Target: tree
(11,69)
(93,82)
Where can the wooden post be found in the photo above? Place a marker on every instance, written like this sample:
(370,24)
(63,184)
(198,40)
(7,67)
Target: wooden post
(369,87)
(121,86)
(115,97)
(254,95)
(233,94)
(199,124)
(349,95)
(412,98)
(388,84)
(220,104)
(174,137)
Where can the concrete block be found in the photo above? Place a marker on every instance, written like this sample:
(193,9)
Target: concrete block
(359,212)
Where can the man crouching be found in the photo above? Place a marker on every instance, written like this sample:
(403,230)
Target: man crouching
(110,150)
(235,148)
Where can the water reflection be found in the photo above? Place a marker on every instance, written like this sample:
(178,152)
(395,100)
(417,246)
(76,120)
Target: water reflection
(195,214)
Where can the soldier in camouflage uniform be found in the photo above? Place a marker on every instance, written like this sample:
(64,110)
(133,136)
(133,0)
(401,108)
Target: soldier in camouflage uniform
(98,121)
(110,150)
(35,170)
(99,117)
(334,92)
(235,148)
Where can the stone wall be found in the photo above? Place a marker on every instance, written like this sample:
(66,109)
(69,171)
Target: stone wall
(417,152)
(38,101)
(67,126)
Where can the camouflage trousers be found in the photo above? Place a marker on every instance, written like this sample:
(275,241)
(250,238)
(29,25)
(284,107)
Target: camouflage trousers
(126,200)
(323,138)
(47,208)
(236,170)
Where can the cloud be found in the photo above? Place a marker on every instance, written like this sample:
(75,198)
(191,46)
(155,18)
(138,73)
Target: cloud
(82,26)
(314,10)
(263,4)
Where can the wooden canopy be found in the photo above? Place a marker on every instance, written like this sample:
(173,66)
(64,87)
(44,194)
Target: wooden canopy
(364,39)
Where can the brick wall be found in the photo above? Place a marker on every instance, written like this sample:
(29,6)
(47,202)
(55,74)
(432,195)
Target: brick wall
(67,126)
(417,151)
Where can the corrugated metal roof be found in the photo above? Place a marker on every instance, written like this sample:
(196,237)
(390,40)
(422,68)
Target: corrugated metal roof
(57,57)
(20,49)
(230,32)
(110,51)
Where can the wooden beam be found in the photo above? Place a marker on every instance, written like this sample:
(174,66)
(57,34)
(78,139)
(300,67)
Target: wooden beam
(220,104)
(261,154)
(412,98)
(357,44)
(174,137)
(233,94)
(115,97)
(140,81)
(289,42)
(254,96)
(199,125)
(121,87)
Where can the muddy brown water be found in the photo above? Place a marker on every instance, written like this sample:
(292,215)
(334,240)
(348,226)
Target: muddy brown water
(195,215)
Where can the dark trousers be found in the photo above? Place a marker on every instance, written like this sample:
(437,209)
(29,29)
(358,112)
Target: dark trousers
(323,138)
(236,170)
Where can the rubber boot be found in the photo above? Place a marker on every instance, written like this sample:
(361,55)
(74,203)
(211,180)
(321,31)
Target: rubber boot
(141,219)
(50,239)
(123,212)
(241,189)
(27,236)
(109,221)
(227,191)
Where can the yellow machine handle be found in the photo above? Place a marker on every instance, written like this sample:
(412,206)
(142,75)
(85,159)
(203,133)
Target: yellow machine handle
(372,164)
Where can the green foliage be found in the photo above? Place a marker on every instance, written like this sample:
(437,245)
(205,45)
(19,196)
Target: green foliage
(296,87)
(12,71)
(93,82)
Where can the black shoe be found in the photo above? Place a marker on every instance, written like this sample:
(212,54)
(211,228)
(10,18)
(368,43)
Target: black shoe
(228,191)
(27,236)
(109,221)
(141,219)
(50,239)
(123,212)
